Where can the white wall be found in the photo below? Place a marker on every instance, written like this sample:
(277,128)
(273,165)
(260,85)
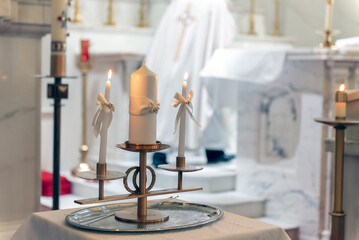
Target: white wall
(19,127)
(302,18)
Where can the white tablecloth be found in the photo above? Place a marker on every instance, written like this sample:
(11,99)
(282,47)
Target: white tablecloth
(51,225)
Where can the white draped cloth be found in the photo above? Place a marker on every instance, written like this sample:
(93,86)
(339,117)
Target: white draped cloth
(189,33)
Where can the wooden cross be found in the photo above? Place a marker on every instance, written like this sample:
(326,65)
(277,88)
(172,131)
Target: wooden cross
(185,19)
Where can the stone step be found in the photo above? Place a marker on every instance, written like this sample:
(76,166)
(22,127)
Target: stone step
(230,201)
(291,229)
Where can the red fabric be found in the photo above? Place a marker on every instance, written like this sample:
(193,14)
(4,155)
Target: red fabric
(65,185)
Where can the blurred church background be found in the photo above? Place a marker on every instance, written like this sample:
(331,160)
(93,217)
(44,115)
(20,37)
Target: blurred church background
(264,90)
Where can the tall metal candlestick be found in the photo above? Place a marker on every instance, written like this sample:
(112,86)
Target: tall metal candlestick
(142,23)
(110,19)
(77,17)
(338,214)
(57,91)
(251,18)
(276,31)
(83,165)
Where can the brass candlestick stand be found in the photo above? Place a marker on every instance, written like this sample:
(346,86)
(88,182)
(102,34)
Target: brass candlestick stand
(251,18)
(110,20)
(83,165)
(77,17)
(142,23)
(338,214)
(140,214)
(328,41)
(276,31)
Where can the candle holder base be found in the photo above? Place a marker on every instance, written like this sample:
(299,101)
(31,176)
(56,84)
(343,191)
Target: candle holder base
(81,167)
(130,215)
(174,168)
(328,41)
(93,176)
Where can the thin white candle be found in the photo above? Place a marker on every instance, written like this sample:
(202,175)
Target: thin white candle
(104,129)
(329,15)
(182,130)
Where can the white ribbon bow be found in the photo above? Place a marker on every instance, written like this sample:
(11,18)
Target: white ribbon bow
(105,108)
(142,105)
(153,107)
(186,104)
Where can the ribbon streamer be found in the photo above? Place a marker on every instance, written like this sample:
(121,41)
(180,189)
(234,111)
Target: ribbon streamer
(105,108)
(186,104)
(142,105)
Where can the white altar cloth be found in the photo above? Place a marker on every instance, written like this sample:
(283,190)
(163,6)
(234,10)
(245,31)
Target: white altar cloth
(51,225)
(231,73)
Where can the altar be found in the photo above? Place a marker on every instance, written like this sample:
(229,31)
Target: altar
(279,153)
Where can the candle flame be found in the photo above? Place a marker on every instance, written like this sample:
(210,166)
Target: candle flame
(186,75)
(342,88)
(109,74)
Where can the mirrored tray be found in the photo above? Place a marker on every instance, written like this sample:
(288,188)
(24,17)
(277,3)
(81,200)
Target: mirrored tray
(182,215)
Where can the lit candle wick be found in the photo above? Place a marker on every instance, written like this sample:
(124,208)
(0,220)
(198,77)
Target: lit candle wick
(109,75)
(342,88)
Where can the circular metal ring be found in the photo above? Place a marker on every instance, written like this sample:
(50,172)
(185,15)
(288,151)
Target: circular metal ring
(153,180)
(125,179)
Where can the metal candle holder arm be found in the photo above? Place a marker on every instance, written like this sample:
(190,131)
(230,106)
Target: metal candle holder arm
(140,191)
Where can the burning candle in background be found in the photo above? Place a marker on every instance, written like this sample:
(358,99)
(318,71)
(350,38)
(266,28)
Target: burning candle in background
(182,130)
(340,102)
(85,56)
(105,122)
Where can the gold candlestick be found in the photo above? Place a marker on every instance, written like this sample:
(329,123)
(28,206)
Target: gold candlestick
(83,165)
(110,20)
(142,23)
(276,31)
(251,19)
(77,17)
(328,41)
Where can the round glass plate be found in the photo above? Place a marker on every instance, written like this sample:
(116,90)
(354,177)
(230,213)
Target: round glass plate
(182,215)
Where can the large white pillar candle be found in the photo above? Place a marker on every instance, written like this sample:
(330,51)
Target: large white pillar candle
(58,20)
(182,130)
(143,106)
(341,102)
(105,122)
(58,37)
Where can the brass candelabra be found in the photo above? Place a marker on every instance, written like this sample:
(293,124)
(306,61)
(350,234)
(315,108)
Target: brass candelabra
(110,18)
(142,22)
(140,214)
(83,165)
